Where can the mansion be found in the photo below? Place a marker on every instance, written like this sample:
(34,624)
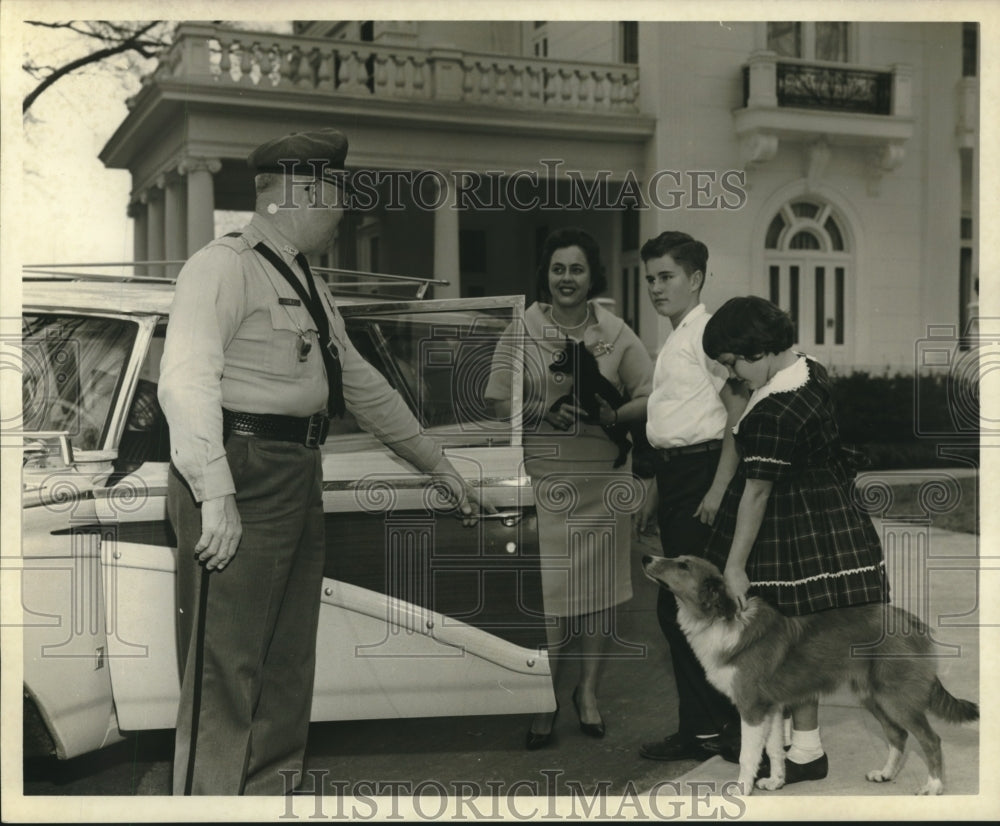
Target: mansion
(832,167)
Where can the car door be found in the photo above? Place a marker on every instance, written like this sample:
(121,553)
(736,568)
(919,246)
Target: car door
(420,616)
(78,371)
(138,556)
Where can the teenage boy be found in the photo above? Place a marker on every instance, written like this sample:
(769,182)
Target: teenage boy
(690,414)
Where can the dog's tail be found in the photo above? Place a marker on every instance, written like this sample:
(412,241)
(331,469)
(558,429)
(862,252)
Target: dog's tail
(950,708)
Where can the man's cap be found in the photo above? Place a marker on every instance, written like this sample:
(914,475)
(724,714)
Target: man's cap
(318,154)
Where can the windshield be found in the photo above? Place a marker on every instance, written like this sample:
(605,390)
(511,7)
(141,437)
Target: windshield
(72,367)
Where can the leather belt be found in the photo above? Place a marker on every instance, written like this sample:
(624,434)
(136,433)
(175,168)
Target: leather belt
(667,453)
(304,430)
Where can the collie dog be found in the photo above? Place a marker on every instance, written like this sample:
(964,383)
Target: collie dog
(764,661)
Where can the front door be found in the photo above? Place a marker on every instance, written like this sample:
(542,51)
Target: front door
(814,292)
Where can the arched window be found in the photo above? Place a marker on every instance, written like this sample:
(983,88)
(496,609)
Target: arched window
(809,268)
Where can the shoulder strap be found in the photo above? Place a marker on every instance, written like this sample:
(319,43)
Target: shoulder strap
(310,299)
(234,241)
(286,271)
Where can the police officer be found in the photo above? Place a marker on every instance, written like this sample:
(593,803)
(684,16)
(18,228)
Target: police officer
(256,359)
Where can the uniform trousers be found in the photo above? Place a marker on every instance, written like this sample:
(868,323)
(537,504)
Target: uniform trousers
(247,634)
(682,482)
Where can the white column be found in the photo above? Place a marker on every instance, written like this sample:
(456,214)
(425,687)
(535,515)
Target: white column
(763,68)
(200,200)
(902,90)
(155,249)
(137,211)
(446,264)
(174,223)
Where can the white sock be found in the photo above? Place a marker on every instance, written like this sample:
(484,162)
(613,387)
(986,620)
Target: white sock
(806,746)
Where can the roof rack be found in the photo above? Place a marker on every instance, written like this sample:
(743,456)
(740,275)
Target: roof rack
(374,283)
(50,272)
(340,281)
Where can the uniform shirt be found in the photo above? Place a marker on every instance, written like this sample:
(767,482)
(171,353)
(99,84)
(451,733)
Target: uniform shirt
(234,340)
(684,407)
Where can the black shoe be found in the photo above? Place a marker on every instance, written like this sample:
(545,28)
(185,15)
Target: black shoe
(813,770)
(535,741)
(590,729)
(726,744)
(677,747)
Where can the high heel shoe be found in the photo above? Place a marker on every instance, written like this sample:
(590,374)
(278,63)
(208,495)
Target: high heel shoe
(590,729)
(535,740)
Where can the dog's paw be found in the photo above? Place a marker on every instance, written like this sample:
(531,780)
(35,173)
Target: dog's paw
(932,786)
(770,783)
(743,787)
(878,776)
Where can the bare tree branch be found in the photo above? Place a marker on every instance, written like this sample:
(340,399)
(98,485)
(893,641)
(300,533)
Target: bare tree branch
(36,71)
(68,25)
(121,38)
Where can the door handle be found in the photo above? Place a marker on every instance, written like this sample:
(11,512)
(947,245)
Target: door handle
(508,518)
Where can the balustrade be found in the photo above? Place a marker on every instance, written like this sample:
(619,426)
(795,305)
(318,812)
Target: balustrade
(229,57)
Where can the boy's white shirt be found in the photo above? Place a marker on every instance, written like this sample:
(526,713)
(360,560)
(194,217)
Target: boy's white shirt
(684,407)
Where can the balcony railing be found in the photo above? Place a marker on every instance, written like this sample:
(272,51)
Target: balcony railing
(819,103)
(843,90)
(210,54)
(832,87)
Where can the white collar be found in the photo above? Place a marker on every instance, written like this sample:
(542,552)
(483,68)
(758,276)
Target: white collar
(694,312)
(787,378)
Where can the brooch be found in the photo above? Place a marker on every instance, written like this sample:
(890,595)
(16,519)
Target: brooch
(603,347)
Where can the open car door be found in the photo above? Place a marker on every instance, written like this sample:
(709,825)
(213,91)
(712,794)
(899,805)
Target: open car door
(420,615)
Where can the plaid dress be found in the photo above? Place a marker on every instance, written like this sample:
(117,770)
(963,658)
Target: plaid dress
(815,548)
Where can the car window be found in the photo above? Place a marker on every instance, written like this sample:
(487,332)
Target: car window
(146,437)
(440,362)
(72,371)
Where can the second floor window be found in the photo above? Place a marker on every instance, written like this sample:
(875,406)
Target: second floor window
(629,42)
(970,47)
(812,41)
(540,38)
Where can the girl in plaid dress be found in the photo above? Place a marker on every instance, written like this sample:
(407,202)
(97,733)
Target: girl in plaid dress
(788,529)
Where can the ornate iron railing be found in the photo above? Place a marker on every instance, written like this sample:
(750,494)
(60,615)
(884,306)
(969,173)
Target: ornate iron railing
(818,86)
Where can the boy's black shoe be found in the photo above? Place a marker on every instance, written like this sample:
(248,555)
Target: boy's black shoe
(678,747)
(726,744)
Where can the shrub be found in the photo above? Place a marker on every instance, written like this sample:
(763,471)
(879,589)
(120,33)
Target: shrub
(899,420)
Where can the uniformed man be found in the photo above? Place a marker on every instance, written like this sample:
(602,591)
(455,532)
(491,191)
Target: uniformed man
(256,359)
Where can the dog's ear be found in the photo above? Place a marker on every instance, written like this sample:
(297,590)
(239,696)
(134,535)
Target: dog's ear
(715,599)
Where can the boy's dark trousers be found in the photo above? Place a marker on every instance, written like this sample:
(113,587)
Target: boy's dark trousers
(682,481)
